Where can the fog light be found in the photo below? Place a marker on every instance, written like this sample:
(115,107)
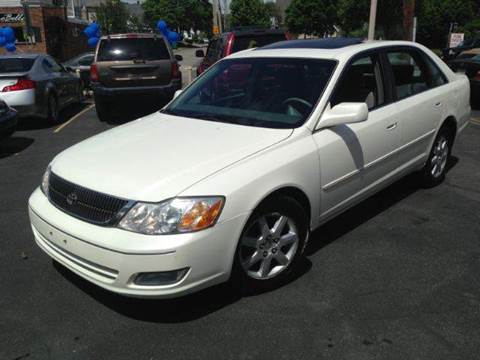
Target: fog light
(160,278)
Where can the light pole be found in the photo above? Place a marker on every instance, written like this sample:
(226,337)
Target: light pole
(373,17)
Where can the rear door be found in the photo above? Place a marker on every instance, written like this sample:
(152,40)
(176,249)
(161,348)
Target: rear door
(421,100)
(134,62)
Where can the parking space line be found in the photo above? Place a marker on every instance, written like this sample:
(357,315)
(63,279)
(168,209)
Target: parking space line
(58,129)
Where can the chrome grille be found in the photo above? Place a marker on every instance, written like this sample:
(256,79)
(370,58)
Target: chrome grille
(85,204)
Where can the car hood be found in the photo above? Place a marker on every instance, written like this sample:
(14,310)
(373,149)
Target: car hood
(159,156)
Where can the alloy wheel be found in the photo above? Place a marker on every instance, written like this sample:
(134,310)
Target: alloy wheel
(439,158)
(268,247)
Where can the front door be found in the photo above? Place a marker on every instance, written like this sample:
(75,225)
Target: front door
(355,158)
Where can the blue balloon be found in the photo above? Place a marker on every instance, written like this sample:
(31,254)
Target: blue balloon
(3,41)
(90,31)
(161,25)
(172,37)
(1,32)
(10,47)
(9,34)
(92,42)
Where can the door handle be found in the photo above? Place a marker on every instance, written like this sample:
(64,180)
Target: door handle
(392,126)
(438,104)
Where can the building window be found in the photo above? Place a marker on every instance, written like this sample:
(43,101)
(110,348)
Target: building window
(21,35)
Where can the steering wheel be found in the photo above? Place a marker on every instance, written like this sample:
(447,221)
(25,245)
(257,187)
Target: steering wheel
(303,102)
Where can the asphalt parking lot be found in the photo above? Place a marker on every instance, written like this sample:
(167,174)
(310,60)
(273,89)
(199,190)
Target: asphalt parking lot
(397,277)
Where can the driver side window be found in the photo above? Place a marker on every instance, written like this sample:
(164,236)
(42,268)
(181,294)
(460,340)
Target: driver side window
(361,82)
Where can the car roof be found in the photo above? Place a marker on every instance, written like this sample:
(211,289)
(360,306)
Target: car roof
(316,50)
(132,36)
(248,30)
(327,43)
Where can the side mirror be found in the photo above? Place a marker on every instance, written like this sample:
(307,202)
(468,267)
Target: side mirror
(344,113)
(179,57)
(178,92)
(199,54)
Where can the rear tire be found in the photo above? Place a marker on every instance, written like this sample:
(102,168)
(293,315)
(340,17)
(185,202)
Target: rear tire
(435,168)
(271,246)
(103,109)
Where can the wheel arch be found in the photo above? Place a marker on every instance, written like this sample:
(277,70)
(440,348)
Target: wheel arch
(293,192)
(450,123)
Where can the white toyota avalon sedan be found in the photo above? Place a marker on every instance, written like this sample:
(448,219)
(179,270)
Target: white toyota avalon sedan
(229,179)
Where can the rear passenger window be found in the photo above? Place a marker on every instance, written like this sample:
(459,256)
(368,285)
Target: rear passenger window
(409,72)
(362,82)
(436,76)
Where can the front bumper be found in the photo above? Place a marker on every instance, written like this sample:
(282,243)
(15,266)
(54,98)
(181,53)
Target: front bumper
(164,91)
(112,258)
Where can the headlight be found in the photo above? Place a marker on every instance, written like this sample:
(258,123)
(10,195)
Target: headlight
(46,180)
(178,215)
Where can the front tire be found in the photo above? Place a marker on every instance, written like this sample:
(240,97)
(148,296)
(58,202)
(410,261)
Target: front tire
(52,109)
(271,245)
(435,168)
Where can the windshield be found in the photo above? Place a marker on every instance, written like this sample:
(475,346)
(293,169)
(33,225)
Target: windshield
(14,65)
(132,49)
(256,40)
(265,92)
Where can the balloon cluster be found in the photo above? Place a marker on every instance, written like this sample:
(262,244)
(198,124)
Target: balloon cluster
(7,39)
(93,34)
(171,36)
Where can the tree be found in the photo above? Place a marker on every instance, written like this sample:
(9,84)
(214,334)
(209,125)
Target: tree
(249,13)
(113,17)
(179,14)
(274,12)
(436,16)
(312,17)
(354,14)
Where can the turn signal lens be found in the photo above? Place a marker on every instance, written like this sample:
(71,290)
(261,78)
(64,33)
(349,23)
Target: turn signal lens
(200,216)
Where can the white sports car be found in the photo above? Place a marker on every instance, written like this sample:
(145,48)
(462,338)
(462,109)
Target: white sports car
(228,180)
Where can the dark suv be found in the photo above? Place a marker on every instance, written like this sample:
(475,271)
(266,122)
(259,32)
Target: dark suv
(237,40)
(133,65)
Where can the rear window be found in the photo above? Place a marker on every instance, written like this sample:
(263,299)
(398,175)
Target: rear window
(132,49)
(253,41)
(14,65)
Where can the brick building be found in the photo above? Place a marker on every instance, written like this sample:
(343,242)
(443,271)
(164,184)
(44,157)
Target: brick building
(45,26)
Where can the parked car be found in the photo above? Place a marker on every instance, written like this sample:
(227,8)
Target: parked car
(133,65)
(237,40)
(452,53)
(231,177)
(8,120)
(470,66)
(81,65)
(36,85)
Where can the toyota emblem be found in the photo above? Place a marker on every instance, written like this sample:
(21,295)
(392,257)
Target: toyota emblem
(72,199)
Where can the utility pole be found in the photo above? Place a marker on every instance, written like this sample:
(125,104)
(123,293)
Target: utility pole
(373,18)
(408,19)
(217,18)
